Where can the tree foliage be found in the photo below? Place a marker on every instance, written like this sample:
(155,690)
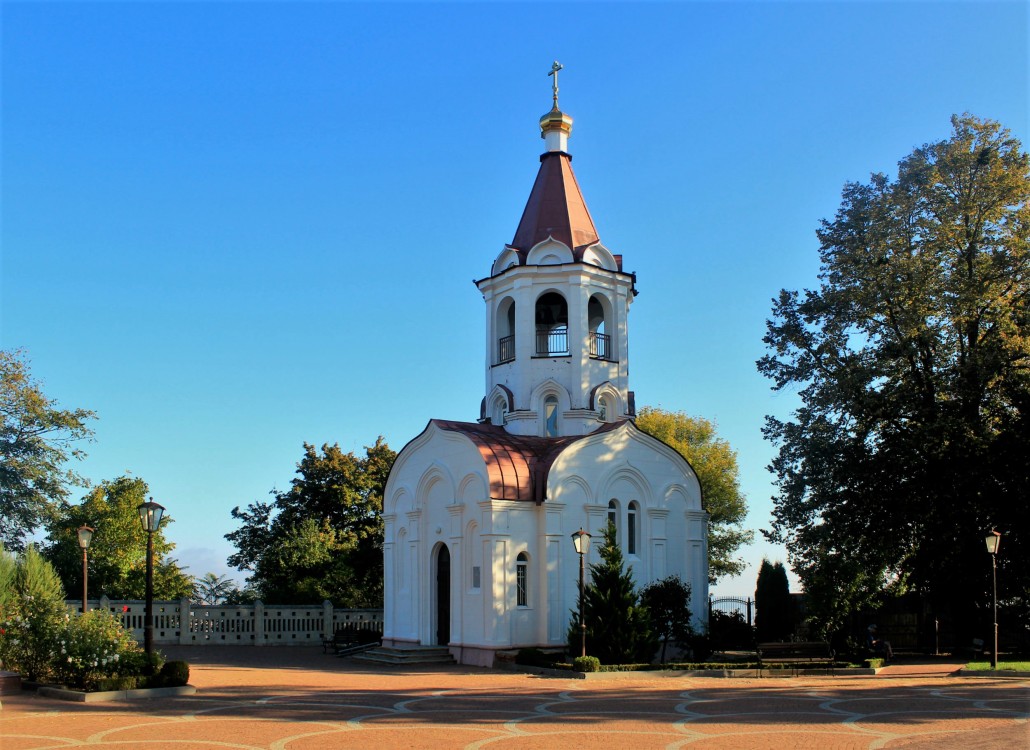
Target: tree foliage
(668,605)
(774,609)
(322,538)
(36,440)
(32,613)
(715,464)
(212,589)
(618,627)
(118,551)
(912,364)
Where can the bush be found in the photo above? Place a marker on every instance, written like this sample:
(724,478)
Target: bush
(172,674)
(730,631)
(95,646)
(586,664)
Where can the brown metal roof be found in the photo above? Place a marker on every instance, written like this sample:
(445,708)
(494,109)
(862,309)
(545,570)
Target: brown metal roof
(517,465)
(555,209)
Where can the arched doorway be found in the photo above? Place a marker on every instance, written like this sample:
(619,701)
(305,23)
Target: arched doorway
(443,596)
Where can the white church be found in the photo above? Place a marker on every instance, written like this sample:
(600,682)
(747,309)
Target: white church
(479,515)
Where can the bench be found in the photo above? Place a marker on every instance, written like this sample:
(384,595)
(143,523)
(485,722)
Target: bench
(796,654)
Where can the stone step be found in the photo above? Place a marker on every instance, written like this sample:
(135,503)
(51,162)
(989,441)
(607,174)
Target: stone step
(406,655)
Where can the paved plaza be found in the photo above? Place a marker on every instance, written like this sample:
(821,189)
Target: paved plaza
(301,699)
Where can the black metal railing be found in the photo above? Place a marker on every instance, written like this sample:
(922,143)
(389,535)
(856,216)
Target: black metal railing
(505,349)
(552,341)
(600,345)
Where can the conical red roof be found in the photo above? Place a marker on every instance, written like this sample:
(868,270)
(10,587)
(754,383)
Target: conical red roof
(555,209)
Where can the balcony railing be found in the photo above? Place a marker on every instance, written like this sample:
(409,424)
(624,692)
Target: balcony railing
(552,341)
(505,349)
(600,346)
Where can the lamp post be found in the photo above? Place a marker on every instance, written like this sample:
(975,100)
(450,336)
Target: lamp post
(581,540)
(85,536)
(993,541)
(150,516)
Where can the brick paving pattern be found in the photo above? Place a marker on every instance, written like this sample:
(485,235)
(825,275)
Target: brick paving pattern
(301,699)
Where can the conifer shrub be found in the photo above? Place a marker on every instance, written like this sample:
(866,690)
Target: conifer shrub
(32,615)
(619,628)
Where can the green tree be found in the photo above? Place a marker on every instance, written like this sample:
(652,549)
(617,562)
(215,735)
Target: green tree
(118,551)
(912,364)
(213,589)
(36,441)
(323,538)
(668,604)
(715,464)
(33,615)
(618,627)
(774,610)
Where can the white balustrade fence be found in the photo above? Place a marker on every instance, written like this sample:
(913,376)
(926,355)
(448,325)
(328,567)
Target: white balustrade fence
(185,623)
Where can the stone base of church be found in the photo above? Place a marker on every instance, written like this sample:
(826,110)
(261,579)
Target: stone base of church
(474,656)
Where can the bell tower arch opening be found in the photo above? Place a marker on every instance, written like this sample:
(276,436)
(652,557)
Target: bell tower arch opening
(552,325)
(505,328)
(599,324)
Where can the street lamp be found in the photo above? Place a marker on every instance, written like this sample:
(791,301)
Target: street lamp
(85,536)
(150,516)
(993,541)
(581,540)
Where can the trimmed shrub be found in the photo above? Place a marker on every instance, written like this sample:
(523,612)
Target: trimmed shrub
(118,683)
(172,674)
(586,664)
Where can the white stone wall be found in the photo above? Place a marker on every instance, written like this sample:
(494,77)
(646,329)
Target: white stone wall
(438,494)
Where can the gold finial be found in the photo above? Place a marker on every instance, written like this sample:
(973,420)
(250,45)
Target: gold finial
(554,87)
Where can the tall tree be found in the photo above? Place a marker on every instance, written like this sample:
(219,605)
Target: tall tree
(715,464)
(322,538)
(117,553)
(618,627)
(774,616)
(36,441)
(912,364)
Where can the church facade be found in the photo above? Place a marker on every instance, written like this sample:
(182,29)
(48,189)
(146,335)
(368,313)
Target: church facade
(478,554)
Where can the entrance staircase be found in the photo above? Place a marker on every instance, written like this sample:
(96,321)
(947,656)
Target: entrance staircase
(406,655)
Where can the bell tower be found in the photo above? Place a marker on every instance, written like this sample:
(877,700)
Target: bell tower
(557,303)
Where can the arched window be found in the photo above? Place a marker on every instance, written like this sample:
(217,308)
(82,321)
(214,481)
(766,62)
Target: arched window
(552,325)
(551,416)
(613,513)
(522,580)
(632,515)
(600,338)
(604,409)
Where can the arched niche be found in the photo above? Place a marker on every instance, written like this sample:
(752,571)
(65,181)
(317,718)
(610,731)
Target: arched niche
(598,255)
(550,252)
(507,259)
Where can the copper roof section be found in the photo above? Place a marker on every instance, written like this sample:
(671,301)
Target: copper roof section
(517,465)
(555,209)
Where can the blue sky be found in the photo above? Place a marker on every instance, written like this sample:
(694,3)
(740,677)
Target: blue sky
(230,228)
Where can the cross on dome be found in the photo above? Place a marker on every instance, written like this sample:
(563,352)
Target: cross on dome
(555,67)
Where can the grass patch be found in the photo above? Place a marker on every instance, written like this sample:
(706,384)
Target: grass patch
(985,666)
